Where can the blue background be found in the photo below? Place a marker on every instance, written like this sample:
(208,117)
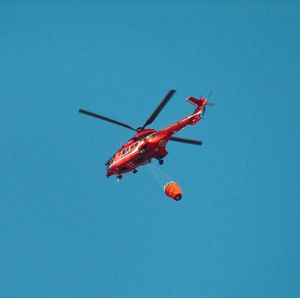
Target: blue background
(67,231)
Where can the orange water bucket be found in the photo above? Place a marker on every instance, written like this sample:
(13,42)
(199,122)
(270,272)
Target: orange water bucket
(172,190)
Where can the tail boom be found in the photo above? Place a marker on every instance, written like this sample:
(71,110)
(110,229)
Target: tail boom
(188,120)
(200,106)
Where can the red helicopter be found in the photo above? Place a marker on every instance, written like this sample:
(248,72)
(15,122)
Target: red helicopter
(149,143)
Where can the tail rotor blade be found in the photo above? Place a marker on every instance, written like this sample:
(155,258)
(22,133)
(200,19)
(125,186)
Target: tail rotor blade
(210,94)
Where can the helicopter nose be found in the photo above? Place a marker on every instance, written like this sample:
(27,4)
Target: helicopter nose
(108,172)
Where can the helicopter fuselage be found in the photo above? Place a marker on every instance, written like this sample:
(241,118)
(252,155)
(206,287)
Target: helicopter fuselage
(146,145)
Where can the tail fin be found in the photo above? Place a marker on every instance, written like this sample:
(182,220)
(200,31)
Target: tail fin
(199,103)
(200,107)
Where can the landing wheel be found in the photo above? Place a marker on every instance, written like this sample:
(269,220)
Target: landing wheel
(161,161)
(134,171)
(119,177)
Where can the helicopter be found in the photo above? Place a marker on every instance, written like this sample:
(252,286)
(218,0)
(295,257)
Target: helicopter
(148,143)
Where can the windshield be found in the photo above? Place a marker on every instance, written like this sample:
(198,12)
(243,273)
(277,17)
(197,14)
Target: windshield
(143,136)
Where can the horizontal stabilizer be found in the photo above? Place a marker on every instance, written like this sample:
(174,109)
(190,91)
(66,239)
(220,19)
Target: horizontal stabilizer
(196,102)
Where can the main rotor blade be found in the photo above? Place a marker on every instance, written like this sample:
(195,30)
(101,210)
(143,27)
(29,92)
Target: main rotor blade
(188,141)
(159,108)
(106,119)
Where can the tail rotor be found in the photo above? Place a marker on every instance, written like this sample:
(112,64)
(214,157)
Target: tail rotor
(209,103)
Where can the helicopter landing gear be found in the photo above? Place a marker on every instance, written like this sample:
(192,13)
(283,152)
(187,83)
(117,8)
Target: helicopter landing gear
(161,161)
(119,177)
(134,171)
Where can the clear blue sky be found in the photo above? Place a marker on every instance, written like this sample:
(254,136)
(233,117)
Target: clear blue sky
(67,231)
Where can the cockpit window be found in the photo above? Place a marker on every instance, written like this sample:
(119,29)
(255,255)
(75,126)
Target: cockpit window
(146,134)
(110,161)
